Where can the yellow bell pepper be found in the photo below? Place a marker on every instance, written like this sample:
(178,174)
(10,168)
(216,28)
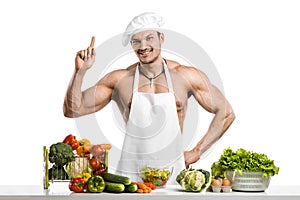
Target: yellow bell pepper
(85,176)
(83,148)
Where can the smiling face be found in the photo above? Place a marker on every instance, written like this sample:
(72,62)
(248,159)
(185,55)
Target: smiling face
(147,45)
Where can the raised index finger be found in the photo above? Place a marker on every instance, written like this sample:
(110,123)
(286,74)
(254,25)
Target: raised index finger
(92,42)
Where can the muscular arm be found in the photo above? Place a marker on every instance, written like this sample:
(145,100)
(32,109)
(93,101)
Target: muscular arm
(212,100)
(78,103)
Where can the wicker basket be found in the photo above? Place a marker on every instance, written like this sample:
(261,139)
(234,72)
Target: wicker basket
(249,181)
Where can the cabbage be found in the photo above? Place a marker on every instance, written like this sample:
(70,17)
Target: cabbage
(194,180)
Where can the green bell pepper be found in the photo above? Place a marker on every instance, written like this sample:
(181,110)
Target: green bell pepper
(96,184)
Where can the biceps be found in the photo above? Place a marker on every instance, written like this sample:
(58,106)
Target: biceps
(95,98)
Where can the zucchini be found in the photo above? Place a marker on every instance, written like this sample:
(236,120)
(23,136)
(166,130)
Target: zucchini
(131,188)
(114,187)
(116,178)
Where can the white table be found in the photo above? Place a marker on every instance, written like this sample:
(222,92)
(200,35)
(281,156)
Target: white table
(173,192)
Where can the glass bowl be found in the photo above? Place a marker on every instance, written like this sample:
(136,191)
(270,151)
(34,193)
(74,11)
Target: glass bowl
(155,174)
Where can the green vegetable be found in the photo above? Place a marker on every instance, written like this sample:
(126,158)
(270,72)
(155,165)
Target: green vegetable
(96,184)
(131,188)
(60,154)
(116,178)
(114,187)
(194,180)
(58,173)
(243,160)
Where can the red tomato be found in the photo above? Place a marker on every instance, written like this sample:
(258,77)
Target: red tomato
(99,172)
(95,163)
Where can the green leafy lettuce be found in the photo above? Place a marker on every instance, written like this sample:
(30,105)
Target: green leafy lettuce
(243,160)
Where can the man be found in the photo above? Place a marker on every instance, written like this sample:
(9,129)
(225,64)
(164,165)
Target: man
(152,96)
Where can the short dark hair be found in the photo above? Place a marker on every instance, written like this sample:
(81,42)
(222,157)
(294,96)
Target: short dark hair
(158,33)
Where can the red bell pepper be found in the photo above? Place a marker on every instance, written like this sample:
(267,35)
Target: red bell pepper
(71,140)
(77,185)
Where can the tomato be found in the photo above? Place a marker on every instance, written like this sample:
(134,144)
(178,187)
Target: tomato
(100,171)
(95,163)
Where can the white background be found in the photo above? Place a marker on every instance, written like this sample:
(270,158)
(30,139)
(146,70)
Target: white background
(255,46)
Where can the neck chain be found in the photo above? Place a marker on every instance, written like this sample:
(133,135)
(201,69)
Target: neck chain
(152,78)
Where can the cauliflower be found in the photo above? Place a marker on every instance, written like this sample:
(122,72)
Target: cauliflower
(194,180)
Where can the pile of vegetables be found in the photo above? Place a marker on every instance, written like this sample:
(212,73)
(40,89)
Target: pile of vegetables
(85,165)
(243,160)
(108,182)
(194,180)
(72,157)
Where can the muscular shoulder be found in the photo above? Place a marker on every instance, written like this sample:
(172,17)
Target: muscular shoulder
(193,76)
(112,79)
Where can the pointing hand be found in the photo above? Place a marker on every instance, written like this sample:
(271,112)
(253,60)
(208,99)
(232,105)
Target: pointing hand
(86,58)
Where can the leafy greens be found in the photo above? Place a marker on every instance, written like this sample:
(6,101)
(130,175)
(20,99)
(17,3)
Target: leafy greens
(243,160)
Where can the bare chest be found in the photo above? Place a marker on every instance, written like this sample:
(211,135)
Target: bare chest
(158,86)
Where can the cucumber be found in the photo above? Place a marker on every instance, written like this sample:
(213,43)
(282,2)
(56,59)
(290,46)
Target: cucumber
(114,187)
(116,178)
(131,188)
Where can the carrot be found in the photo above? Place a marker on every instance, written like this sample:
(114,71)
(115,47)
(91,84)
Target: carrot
(142,188)
(140,185)
(140,191)
(150,185)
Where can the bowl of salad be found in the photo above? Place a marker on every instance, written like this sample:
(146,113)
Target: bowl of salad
(155,174)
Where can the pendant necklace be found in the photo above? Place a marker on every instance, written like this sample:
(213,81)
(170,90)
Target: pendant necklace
(152,78)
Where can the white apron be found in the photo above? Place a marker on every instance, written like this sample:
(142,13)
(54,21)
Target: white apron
(153,134)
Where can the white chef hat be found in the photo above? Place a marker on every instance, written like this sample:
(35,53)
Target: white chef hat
(144,21)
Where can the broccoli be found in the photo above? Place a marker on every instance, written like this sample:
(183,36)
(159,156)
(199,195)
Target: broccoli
(61,153)
(58,173)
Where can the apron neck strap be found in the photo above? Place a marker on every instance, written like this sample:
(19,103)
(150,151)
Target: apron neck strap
(167,74)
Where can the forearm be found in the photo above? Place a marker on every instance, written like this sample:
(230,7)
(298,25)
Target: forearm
(73,98)
(220,123)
